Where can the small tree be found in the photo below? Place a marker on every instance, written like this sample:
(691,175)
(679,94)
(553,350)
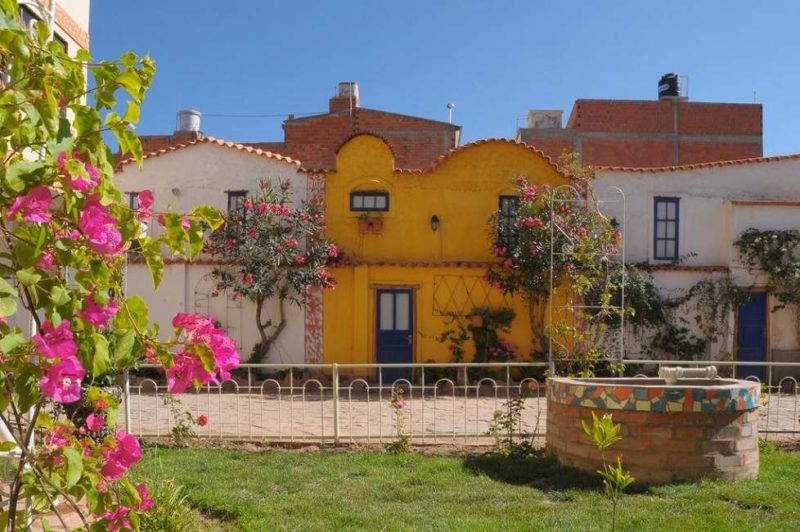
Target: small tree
(558,232)
(272,249)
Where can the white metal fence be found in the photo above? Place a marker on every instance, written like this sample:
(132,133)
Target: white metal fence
(442,403)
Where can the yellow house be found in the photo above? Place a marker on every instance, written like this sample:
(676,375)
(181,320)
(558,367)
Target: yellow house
(418,246)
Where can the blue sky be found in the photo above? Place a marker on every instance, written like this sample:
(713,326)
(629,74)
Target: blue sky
(493,59)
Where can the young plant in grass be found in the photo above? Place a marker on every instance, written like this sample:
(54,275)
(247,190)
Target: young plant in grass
(504,427)
(604,433)
(401,442)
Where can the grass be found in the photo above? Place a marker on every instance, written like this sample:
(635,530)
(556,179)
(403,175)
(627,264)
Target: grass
(322,490)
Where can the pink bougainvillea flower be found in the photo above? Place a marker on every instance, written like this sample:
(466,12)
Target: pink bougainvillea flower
(186,223)
(97,314)
(56,342)
(145,502)
(62,381)
(58,437)
(78,182)
(117,519)
(100,228)
(95,422)
(46,260)
(248,279)
(101,404)
(33,206)
(119,458)
(199,329)
(145,210)
(182,374)
(202,420)
(333,251)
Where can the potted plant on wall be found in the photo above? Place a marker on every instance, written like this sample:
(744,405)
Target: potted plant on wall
(363,222)
(370,222)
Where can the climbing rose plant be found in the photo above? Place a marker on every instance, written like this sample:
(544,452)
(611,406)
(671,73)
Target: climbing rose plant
(271,247)
(584,245)
(66,323)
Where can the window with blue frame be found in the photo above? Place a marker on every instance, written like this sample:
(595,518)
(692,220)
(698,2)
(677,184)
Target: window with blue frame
(508,220)
(666,219)
(369,201)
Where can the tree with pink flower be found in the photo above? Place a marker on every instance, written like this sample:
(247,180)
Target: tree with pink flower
(558,238)
(272,248)
(61,212)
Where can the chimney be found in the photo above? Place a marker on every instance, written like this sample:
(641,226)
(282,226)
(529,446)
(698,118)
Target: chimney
(188,123)
(346,97)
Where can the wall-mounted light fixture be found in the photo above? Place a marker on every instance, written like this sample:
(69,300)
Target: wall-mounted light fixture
(176,191)
(435,222)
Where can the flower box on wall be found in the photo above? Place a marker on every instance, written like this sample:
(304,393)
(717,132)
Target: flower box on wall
(370,224)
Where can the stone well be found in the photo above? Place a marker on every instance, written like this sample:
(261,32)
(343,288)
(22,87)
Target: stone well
(692,429)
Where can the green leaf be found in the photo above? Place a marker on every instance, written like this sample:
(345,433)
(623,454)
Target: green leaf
(22,173)
(74,466)
(11,341)
(123,348)
(137,309)
(7,446)
(196,239)
(6,289)
(8,307)
(206,356)
(86,121)
(132,114)
(151,251)
(59,296)
(28,278)
(211,216)
(26,386)
(100,360)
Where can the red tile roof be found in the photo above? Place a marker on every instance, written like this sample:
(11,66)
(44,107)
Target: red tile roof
(218,142)
(480,142)
(736,162)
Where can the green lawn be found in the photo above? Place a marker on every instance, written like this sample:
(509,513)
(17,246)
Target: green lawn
(323,490)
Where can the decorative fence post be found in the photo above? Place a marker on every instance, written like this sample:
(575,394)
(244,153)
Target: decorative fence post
(335,403)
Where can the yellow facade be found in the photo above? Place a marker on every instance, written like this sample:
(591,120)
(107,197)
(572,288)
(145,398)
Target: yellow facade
(443,267)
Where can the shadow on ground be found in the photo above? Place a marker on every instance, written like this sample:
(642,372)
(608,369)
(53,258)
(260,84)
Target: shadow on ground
(535,470)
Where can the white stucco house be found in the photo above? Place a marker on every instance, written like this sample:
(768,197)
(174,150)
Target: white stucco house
(683,221)
(210,171)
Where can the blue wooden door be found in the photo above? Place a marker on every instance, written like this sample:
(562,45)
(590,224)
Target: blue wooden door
(751,336)
(395,332)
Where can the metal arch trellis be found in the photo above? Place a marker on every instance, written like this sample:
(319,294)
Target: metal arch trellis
(576,197)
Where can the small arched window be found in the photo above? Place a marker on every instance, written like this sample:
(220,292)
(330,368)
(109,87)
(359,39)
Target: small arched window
(369,200)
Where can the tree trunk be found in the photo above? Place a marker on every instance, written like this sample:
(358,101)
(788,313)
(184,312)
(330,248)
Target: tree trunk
(267,339)
(536,314)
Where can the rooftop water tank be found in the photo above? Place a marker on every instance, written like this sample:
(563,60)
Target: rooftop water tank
(189,120)
(669,87)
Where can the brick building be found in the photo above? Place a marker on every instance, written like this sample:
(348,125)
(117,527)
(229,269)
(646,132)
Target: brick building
(640,133)
(313,140)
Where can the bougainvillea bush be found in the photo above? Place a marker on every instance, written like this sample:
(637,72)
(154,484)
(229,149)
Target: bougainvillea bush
(558,235)
(272,248)
(66,324)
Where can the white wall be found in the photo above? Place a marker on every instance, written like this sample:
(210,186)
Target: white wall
(712,217)
(181,180)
